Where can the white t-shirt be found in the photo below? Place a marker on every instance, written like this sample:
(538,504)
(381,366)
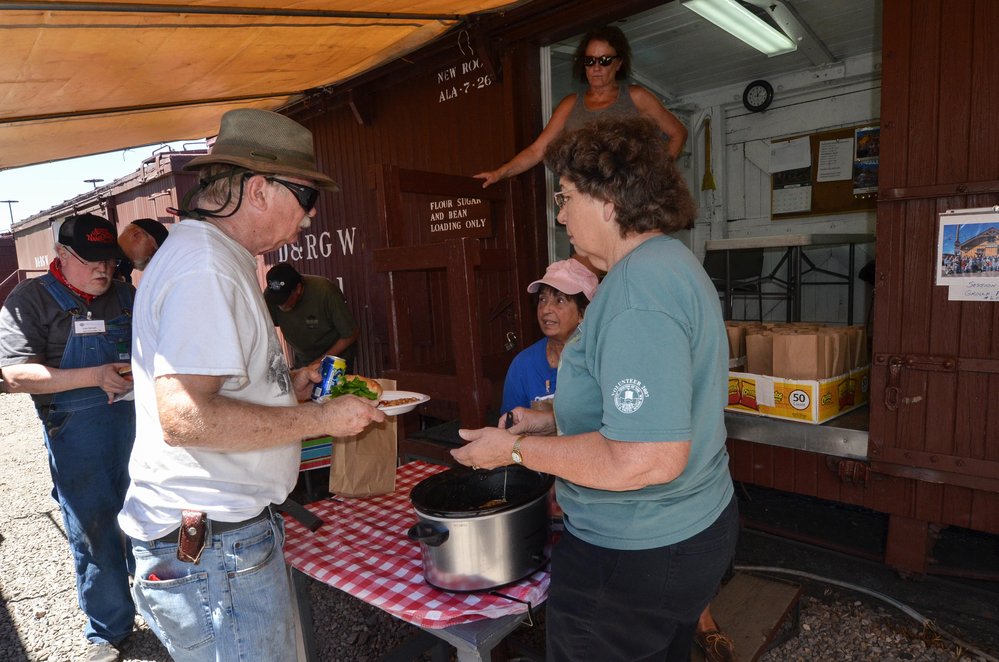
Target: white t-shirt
(200,311)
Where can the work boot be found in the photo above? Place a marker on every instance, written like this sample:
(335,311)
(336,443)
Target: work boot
(715,645)
(102,651)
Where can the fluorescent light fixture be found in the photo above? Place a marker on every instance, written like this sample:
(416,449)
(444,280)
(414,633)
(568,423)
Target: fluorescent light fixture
(743,24)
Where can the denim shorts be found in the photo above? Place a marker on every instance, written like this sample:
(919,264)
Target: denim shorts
(236,603)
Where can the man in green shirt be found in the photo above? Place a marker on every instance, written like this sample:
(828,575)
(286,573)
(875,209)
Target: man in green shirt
(312,314)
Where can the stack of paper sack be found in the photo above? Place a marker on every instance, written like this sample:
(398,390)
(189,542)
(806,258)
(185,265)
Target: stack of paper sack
(799,371)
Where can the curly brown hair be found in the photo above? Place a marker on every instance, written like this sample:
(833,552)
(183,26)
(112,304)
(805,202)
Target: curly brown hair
(613,36)
(625,162)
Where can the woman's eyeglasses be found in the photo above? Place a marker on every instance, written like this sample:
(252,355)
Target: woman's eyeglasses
(560,198)
(603,60)
(306,195)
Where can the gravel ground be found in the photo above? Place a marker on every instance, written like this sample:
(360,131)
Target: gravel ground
(41,621)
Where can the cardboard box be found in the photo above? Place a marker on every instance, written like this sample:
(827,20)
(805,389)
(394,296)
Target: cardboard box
(808,401)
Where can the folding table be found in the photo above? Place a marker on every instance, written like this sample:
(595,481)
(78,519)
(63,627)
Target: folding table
(362,549)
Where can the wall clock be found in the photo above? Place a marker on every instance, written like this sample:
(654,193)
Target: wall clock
(757,96)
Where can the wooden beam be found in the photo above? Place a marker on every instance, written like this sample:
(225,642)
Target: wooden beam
(464,256)
(908,545)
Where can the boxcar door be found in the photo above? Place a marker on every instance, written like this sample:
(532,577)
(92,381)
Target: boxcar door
(935,376)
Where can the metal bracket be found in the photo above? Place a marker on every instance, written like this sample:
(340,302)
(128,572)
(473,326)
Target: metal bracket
(849,471)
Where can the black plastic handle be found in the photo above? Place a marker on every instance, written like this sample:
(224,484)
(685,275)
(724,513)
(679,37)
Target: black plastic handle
(428,534)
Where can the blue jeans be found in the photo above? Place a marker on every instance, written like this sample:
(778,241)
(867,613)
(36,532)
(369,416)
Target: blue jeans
(235,604)
(642,605)
(88,459)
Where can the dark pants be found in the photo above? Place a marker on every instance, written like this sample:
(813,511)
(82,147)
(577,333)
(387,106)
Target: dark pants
(607,604)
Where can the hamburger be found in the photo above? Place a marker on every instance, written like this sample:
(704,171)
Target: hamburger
(363,387)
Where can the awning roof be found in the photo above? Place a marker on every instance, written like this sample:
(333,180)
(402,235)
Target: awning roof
(80,78)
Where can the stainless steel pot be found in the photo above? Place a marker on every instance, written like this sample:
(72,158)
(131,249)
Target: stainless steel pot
(481,529)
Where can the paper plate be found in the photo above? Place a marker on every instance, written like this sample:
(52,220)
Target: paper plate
(394,410)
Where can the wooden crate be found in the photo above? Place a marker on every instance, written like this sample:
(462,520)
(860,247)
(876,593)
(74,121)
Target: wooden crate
(751,610)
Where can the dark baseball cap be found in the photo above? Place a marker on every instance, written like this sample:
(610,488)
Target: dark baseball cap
(282,279)
(91,237)
(154,228)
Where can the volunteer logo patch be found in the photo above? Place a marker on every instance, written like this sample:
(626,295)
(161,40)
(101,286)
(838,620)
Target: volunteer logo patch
(629,394)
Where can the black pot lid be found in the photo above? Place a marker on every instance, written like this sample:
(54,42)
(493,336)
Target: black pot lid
(462,492)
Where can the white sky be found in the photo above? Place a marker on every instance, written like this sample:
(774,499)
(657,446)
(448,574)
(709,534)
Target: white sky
(43,186)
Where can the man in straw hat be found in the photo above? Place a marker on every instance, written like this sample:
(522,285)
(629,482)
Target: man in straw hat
(65,338)
(218,420)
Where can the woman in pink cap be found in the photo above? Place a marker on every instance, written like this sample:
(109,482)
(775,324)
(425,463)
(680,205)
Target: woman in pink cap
(561,297)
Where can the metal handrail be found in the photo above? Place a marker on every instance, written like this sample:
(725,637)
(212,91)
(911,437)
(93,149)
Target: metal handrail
(18,272)
(13,273)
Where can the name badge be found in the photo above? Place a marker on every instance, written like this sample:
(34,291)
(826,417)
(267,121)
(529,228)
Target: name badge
(89,327)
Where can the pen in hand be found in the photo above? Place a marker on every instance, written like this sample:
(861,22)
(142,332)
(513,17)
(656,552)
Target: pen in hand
(509,420)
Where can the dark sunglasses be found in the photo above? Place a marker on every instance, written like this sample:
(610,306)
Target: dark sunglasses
(306,195)
(603,60)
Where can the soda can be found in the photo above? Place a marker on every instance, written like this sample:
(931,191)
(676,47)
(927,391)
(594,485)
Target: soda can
(333,371)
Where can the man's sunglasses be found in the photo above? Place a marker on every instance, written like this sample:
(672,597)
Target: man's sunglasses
(603,60)
(306,195)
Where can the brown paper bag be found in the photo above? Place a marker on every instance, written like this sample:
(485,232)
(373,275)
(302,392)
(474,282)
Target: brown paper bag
(858,345)
(835,348)
(797,355)
(760,353)
(364,465)
(736,341)
(736,345)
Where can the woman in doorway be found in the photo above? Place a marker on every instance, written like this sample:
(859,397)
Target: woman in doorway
(602,62)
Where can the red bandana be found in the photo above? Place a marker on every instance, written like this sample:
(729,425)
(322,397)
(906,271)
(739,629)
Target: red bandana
(55,268)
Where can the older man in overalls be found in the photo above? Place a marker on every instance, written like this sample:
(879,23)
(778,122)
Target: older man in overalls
(65,338)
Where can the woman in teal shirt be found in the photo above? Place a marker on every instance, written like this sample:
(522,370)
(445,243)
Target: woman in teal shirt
(639,435)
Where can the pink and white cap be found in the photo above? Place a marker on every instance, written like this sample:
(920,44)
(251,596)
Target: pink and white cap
(569,277)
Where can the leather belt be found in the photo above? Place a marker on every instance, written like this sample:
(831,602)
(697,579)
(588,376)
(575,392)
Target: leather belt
(215,528)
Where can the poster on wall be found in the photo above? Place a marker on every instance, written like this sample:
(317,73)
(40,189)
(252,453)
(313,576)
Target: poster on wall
(968,254)
(867,152)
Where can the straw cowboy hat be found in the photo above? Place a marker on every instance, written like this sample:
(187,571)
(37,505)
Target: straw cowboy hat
(265,142)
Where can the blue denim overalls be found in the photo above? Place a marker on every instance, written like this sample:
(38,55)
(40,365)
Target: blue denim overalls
(89,444)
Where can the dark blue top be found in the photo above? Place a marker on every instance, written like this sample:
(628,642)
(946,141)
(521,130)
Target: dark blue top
(529,378)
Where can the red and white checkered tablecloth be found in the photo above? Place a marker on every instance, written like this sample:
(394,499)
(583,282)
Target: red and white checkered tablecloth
(362,548)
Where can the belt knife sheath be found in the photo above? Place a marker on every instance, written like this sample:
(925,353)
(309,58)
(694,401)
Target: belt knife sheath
(191,538)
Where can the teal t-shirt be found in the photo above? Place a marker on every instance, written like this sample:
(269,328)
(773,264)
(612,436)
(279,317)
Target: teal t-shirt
(649,364)
(319,319)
